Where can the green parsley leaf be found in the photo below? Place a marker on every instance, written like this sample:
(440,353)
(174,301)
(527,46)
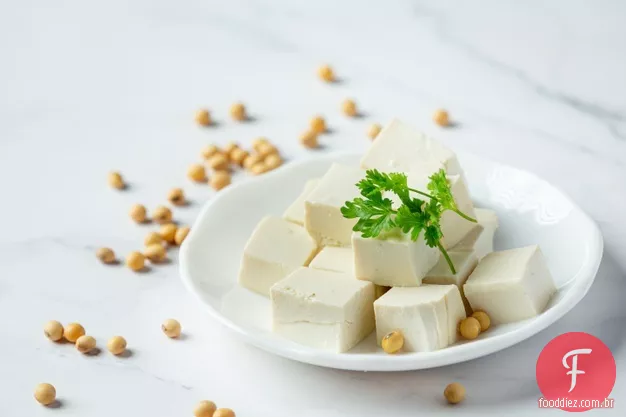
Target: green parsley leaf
(376,215)
(439,188)
(412,222)
(376,181)
(432,235)
(374,212)
(434,210)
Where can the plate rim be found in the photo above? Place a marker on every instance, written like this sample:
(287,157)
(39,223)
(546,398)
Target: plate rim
(407,361)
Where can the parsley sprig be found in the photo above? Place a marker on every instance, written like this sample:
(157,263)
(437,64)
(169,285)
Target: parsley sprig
(376,214)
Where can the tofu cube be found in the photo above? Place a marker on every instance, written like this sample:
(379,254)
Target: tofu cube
(323,309)
(275,249)
(480,238)
(323,218)
(471,239)
(428,316)
(511,285)
(332,258)
(338,259)
(393,259)
(464,263)
(401,148)
(295,212)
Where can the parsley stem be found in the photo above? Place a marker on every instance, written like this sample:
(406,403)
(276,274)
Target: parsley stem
(465,216)
(422,193)
(456,210)
(445,255)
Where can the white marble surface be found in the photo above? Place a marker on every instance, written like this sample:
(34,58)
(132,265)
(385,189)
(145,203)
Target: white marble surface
(91,86)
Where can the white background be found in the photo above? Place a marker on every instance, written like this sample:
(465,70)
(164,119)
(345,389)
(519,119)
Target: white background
(86,87)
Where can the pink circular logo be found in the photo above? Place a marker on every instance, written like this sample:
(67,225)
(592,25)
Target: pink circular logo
(576,372)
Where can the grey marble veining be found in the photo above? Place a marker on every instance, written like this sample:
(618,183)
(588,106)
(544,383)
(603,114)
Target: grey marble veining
(86,88)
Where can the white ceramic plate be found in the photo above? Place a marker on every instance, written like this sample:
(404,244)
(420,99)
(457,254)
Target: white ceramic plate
(529,209)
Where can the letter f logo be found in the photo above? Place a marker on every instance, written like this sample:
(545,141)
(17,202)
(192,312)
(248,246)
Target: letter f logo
(574,353)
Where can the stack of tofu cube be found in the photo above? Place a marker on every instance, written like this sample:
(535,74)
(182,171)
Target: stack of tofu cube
(330,287)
